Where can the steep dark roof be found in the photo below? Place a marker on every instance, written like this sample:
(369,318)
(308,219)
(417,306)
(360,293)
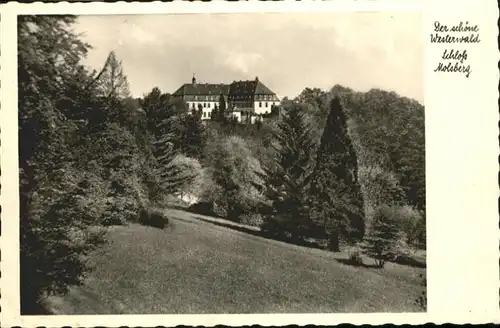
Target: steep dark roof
(242,89)
(237,89)
(248,88)
(202,89)
(261,89)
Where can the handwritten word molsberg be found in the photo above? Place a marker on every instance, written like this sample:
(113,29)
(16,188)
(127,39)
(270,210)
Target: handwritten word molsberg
(455,62)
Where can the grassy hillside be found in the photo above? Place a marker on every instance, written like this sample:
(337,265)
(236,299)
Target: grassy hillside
(197,267)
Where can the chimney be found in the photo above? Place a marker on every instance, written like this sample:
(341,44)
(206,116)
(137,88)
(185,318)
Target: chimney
(193,79)
(257,79)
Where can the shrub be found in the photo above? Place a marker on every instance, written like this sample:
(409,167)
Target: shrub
(252,219)
(354,253)
(271,227)
(153,218)
(379,187)
(120,211)
(276,226)
(125,197)
(204,208)
(413,225)
(384,236)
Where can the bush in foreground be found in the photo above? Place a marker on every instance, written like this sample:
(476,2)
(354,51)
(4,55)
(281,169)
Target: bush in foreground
(413,224)
(355,255)
(383,242)
(153,218)
(252,219)
(204,208)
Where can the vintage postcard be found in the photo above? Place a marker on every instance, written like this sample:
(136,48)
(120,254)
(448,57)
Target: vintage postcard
(271,163)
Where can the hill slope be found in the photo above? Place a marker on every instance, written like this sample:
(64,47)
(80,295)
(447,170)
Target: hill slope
(197,267)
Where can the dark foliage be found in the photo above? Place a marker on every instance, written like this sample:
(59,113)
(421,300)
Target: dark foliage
(153,218)
(220,114)
(164,126)
(81,148)
(287,179)
(204,208)
(388,131)
(55,92)
(192,138)
(336,199)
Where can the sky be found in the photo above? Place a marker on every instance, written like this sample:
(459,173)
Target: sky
(287,51)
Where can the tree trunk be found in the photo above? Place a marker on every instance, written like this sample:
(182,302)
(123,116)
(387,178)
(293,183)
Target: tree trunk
(333,243)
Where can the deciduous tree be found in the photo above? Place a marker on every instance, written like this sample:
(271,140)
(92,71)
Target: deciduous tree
(55,94)
(234,172)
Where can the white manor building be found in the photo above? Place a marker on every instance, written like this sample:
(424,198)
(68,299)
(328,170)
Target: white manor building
(244,99)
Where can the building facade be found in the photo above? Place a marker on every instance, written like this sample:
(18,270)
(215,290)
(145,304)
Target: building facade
(244,99)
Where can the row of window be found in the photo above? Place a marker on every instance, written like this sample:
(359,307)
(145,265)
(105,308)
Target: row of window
(216,98)
(209,105)
(250,97)
(205,105)
(206,98)
(209,115)
(265,97)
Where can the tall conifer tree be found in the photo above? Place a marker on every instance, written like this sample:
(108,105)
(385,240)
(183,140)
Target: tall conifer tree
(164,127)
(192,135)
(288,180)
(221,109)
(171,176)
(336,199)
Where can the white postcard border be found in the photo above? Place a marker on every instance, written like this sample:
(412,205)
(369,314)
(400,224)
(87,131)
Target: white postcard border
(461,169)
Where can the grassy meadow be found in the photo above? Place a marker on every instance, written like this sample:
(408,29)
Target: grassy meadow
(194,266)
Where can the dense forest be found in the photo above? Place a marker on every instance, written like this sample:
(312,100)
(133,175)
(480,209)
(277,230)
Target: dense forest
(336,165)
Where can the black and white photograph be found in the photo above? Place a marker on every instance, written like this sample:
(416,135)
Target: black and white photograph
(221,163)
(252,163)
(206,164)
